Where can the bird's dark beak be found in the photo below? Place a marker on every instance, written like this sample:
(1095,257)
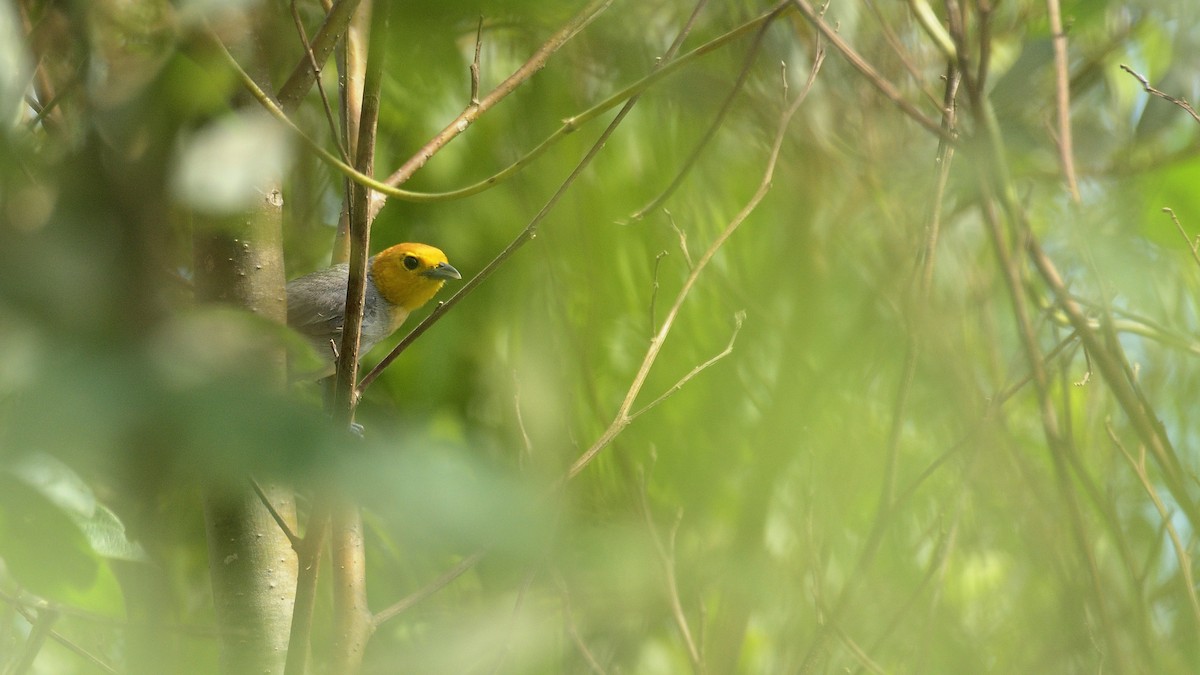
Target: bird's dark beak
(443,271)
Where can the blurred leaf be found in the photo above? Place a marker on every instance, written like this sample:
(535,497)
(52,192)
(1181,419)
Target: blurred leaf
(47,552)
(222,169)
(14,66)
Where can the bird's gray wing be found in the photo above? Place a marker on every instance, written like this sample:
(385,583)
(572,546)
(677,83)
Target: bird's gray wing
(317,303)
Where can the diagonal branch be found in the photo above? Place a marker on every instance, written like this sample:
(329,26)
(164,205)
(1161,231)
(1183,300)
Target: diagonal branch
(623,416)
(530,230)
(1187,107)
(717,121)
(476,108)
(306,71)
(861,65)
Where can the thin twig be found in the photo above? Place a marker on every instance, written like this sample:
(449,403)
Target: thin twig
(447,577)
(510,625)
(352,615)
(476,108)
(994,404)
(475,63)
(525,235)
(275,110)
(1161,94)
(622,417)
(526,442)
(862,66)
(303,74)
(467,563)
(1181,550)
(718,119)
(661,70)
(292,537)
(984,10)
(683,247)
(573,630)
(666,558)
(316,68)
(1062,98)
(1183,233)
(61,639)
(864,660)
(918,77)
(41,627)
(654,292)
(737,328)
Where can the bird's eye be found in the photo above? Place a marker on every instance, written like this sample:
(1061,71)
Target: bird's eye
(411,262)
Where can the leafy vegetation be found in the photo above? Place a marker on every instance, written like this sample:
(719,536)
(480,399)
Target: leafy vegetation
(864,343)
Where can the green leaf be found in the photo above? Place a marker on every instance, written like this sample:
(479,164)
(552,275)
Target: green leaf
(41,545)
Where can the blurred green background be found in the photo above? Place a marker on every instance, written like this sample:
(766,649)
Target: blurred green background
(863,484)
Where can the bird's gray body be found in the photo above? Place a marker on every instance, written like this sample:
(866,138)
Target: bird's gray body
(317,307)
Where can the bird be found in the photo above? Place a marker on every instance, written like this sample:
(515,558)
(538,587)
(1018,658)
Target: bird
(400,279)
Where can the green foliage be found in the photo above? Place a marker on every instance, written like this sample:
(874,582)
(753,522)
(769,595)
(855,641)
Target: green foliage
(866,482)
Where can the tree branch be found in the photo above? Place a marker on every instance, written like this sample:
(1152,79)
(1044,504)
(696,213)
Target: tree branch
(623,417)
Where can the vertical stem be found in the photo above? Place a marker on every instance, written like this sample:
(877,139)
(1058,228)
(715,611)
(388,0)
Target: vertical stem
(352,616)
(309,556)
(239,261)
(253,572)
(1062,97)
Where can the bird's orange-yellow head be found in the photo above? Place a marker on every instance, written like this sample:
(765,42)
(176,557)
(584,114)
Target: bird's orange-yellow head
(408,275)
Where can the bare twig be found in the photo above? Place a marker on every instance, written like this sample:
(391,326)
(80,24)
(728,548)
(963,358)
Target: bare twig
(1181,550)
(889,34)
(666,558)
(737,328)
(1192,248)
(623,417)
(476,108)
(429,589)
(526,234)
(1187,107)
(273,108)
(569,125)
(475,63)
(885,508)
(662,69)
(526,442)
(861,65)
(573,630)
(995,403)
(275,515)
(304,73)
(887,505)
(333,125)
(34,617)
(686,167)
(1062,98)
(984,10)
(863,659)
(467,563)
(42,626)
(654,292)
(509,626)
(683,247)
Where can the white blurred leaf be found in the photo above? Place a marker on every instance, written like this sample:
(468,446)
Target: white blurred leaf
(229,165)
